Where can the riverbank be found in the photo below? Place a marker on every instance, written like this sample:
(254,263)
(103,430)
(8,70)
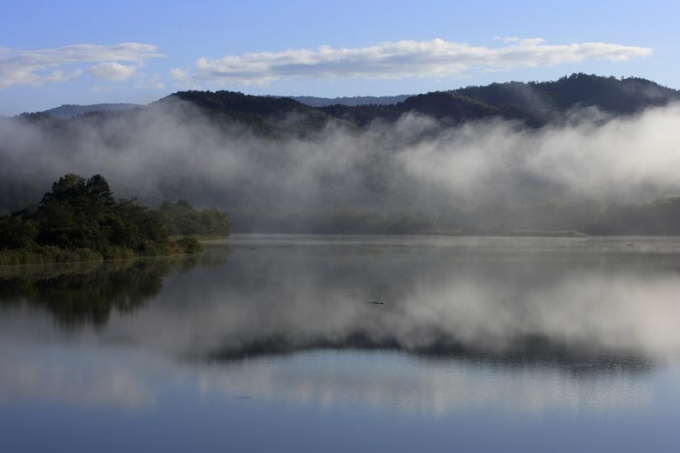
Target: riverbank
(42,254)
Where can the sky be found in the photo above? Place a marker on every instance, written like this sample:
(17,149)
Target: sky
(137,51)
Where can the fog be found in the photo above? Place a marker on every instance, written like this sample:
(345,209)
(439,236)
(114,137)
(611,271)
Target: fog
(412,166)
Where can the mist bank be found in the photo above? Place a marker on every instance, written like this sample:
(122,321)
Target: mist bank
(277,166)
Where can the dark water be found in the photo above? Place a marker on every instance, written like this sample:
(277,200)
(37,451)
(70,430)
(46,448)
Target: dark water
(284,343)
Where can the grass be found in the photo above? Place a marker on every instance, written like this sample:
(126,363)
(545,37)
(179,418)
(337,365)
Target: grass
(47,254)
(37,254)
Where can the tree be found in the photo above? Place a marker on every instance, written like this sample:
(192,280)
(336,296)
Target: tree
(81,213)
(16,232)
(136,227)
(77,213)
(182,218)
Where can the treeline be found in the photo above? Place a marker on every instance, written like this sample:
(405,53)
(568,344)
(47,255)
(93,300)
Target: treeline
(79,219)
(658,218)
(182,219)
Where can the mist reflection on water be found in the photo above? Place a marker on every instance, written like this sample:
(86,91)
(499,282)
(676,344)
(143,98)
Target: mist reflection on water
(364,294)
(436,327)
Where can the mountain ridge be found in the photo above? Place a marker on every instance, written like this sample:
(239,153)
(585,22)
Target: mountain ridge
(72,110)
(533,103)
(315,101)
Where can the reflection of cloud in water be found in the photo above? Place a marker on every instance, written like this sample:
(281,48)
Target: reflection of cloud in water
(71,376)
(395,382)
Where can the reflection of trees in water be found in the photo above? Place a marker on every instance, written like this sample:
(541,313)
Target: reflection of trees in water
(88,293)
(213,255)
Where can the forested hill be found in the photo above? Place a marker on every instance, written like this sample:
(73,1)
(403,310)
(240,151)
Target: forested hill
(265,115)
(314,101)
(72,110)
(534,103)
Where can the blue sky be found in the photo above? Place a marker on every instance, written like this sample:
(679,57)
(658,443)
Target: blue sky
(84,52)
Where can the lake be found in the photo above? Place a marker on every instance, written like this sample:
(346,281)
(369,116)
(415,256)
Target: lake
(349,343)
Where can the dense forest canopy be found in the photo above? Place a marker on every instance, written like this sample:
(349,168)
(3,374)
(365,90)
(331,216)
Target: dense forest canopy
(79,213)
(587,153)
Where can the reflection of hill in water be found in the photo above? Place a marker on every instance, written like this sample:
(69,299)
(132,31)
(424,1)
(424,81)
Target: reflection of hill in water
(525,352)
(87,293)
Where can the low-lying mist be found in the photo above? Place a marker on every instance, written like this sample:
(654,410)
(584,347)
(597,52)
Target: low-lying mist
(454,177)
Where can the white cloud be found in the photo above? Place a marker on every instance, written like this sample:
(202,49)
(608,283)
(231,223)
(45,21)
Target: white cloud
(35,67)
(184,80)
(150,83)
(61,76)
(100,88)
(402,59)
(112,71)
(179,74)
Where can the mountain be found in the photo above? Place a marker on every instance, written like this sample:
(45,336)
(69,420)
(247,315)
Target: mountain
(267,115)
(73,110)
(535,103)
(314,101)
(546,100)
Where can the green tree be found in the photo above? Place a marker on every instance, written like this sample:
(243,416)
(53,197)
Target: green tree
(81,215)
(77,213)
(137,227)
(182,218)
(16,232)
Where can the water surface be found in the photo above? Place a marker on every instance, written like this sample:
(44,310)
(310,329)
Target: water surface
(332,343)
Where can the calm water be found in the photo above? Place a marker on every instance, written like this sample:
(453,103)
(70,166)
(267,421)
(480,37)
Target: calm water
(299,343)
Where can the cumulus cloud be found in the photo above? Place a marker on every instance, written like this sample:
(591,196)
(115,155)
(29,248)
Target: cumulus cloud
(150,83)
(35,67)
(179,74)
(389,60)
(183,79)
(112,71)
